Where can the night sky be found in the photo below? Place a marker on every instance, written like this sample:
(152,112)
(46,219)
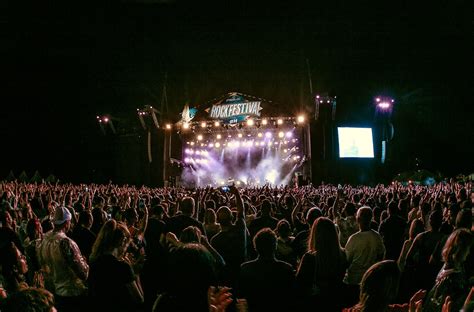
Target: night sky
(64,65)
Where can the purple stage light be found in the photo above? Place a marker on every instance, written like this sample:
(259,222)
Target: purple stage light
(268,134)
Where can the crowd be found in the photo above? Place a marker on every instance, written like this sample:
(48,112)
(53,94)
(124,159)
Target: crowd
(67,247)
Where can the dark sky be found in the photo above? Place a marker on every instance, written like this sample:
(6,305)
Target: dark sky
(64,65)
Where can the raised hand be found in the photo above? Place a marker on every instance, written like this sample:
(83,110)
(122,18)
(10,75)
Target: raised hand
(218,300)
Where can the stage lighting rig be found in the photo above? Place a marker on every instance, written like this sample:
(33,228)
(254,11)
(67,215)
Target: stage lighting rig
(104,121)
(146,111)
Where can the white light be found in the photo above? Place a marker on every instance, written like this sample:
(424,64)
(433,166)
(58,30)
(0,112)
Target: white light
(216,124)
(317,96)
(281,134)
(198,152)
(238,182)
(264,122)
(239,135)
(289,134)
(271,176)
(211,144)
(185,125)
(285,150)
(192,143)
(219,136)
(268,134)
(280,121)
(203,125)
(106,119)
(259,134)
(300,119)
(270,143)
(218,145)
(168,126)
(377,99)
(187,160)
(199,137)
(250,122)
(384,105)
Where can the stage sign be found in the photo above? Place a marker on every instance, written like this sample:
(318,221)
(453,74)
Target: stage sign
(235,109)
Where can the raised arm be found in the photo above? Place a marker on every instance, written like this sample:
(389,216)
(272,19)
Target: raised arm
(238,201)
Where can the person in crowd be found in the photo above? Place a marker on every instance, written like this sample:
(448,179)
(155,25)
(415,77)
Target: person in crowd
(63,264)
(348,224)
(452,280)
(266,283)
(264,220)
(285,240)
(393,231)
(82,234)
(13,268)
(363,249)
(424,256)
(322,268)
(231,241)
(98,219)
(30,299)
(32,242)
(191,273)
(179,222)
(210,224)
(112,281)
(8,232)
(300,243)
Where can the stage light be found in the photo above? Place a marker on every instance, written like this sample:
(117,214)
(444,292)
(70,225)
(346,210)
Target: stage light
(216,124)
(211,144)
(187,160)
(281,134)
(192,143)
(259,134)
(250,122)
(239,135)
(317,96)
(268,135)
(237,144)
(289,134)
(217,145)
(106,119)
(384,105)
(168,126)
(219,136)
(264,122)
(185,125)
(198,152)
(238,182)
(300,119)
(199,137)
(377,100)
(285,151)
(279,121)
(270,143)
(203,125)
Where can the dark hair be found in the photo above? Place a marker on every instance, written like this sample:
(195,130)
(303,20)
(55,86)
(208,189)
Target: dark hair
(85,218)
(324,241)
(112,235)
(349,209)
(265,242)
(29,300)
(379,286)
(312,215)
(464,219)
(393,208)
(436,219)
(186,206)
(416,227)
(457,246)
(191,234)
(32,228)
(283,228)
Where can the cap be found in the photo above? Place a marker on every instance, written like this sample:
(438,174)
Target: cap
(61,215)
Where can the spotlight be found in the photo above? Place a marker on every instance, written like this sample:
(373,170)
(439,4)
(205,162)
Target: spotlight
(203,125)
(199,137)
(185,125)
(219,136)
(239,135)
(377,100)
(281,134)
(216,124)
(187,160)
(259,134)
(289,134)
(383,105)
(250,122)
(192,143)
(211,144)
(106,119)
(268,135)
(300,119)
(280,121)
(217,145)
(168,126)
(264,122)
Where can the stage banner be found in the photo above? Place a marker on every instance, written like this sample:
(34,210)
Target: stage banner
(235,109)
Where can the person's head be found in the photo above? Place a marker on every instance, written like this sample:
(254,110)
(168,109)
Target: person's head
(403,206)
(283,228)
(157,211)
(210,216)
(85,219)
(62,219)
(191,234)
(392,208)
(349,209)
(187,206)
(379,286)
(193,271)
(457,247)
(30,299)
(266,208)
(416,227)
(436,219)
(6,219)
(364,218)
(265,243)
(98,217)
(224,216)
(210,204)
(464,219)
(312,215)
(12,260)
(34,229)
(323,238)
(130,216)
(113,238)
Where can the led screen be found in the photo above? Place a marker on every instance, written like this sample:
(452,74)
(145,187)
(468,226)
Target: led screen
(355,142)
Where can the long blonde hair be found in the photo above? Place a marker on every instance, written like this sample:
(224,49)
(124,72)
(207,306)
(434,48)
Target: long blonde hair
(112,235)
